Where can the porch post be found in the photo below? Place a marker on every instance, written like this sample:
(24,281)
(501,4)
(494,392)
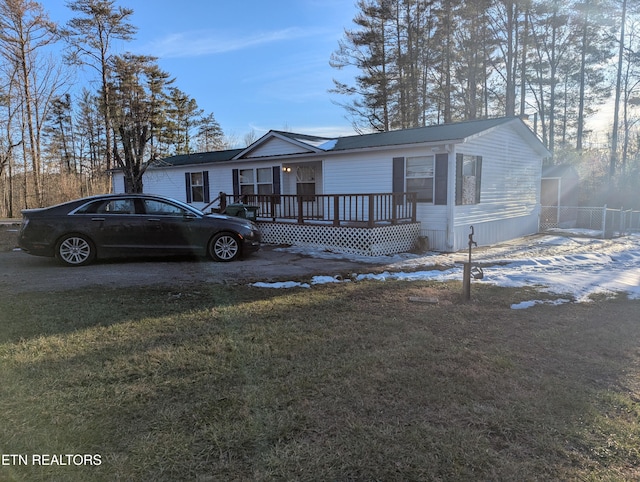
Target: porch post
(394,207)
(371,209)
(414,208)
(300,213)
(273,208)
(336,210)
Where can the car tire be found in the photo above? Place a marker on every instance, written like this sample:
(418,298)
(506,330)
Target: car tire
(75,250)
(224,247)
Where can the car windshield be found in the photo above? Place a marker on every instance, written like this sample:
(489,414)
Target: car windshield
(188,207)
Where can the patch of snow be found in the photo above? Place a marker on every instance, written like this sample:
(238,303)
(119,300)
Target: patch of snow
(319,280)
(590,233)
(281,284)
(575,268)
(528,304)
(327,146)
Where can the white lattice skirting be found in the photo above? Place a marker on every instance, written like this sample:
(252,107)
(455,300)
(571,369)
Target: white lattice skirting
(377,241)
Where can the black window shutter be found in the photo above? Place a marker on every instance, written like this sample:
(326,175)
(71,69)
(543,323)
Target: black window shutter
(398,174)
(236,184)
(478,177)
(277,190)
(459,162)
(187,182)
(276,179)
(398,178)
(442,177)
(205,182)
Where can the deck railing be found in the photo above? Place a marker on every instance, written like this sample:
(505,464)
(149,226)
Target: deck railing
(367,210)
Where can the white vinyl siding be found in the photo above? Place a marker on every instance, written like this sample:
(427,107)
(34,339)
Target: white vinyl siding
(510,186)
(276,147)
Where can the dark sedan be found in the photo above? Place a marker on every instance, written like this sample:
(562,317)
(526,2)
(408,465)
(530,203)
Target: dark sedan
(117,225)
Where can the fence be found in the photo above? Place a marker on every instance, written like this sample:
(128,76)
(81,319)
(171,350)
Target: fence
(606,221)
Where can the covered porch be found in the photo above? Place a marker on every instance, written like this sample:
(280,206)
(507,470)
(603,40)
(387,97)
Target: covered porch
(371,224)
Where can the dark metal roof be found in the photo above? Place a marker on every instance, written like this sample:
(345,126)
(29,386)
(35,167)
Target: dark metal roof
(303,137)
(441,133)
(198,158)
(436,133)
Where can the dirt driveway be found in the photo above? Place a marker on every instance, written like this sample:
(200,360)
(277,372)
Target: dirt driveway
(21,272)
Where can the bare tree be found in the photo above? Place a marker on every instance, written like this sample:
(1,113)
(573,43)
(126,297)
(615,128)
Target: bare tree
(613,160)
(90,36)
(7,141)
(24,31)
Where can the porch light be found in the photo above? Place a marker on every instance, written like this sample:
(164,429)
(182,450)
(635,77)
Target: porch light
(286,169)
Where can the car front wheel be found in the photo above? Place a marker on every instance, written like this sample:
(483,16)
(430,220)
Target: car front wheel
(224,247)
(75,250)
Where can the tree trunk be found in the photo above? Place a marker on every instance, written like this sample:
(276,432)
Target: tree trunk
(613,161)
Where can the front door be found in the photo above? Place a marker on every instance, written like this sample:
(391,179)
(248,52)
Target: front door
(306,188)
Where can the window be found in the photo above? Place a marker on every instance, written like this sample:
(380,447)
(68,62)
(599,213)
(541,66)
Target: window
(118,206)
(259,181)
(265,180)
(247,185)
(468,176)
(256,181)
(420,176)
(197,187)
(160,208)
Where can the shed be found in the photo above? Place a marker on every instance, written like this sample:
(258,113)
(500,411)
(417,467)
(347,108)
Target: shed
(559,196)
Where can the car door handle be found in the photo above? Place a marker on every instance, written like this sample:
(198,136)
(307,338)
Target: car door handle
(153,220)
(97,219)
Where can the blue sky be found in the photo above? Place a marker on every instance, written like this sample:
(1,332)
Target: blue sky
(256,64)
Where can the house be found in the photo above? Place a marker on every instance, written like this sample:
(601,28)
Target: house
(374,193)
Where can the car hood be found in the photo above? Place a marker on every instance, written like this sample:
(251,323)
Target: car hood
(220,216)
(233,219)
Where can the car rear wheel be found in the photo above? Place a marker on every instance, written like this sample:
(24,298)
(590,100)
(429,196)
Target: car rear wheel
(75,250)
(224,247)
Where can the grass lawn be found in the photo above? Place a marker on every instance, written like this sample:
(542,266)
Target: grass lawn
(338,382)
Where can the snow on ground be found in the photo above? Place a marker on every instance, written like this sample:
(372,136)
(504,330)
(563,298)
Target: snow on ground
(566,264)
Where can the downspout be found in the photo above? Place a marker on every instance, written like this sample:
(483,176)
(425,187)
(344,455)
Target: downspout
(451,197)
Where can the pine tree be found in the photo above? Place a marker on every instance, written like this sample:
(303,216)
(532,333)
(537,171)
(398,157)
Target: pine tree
(210,136)
(183,115)
(367,49)
(137,85)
